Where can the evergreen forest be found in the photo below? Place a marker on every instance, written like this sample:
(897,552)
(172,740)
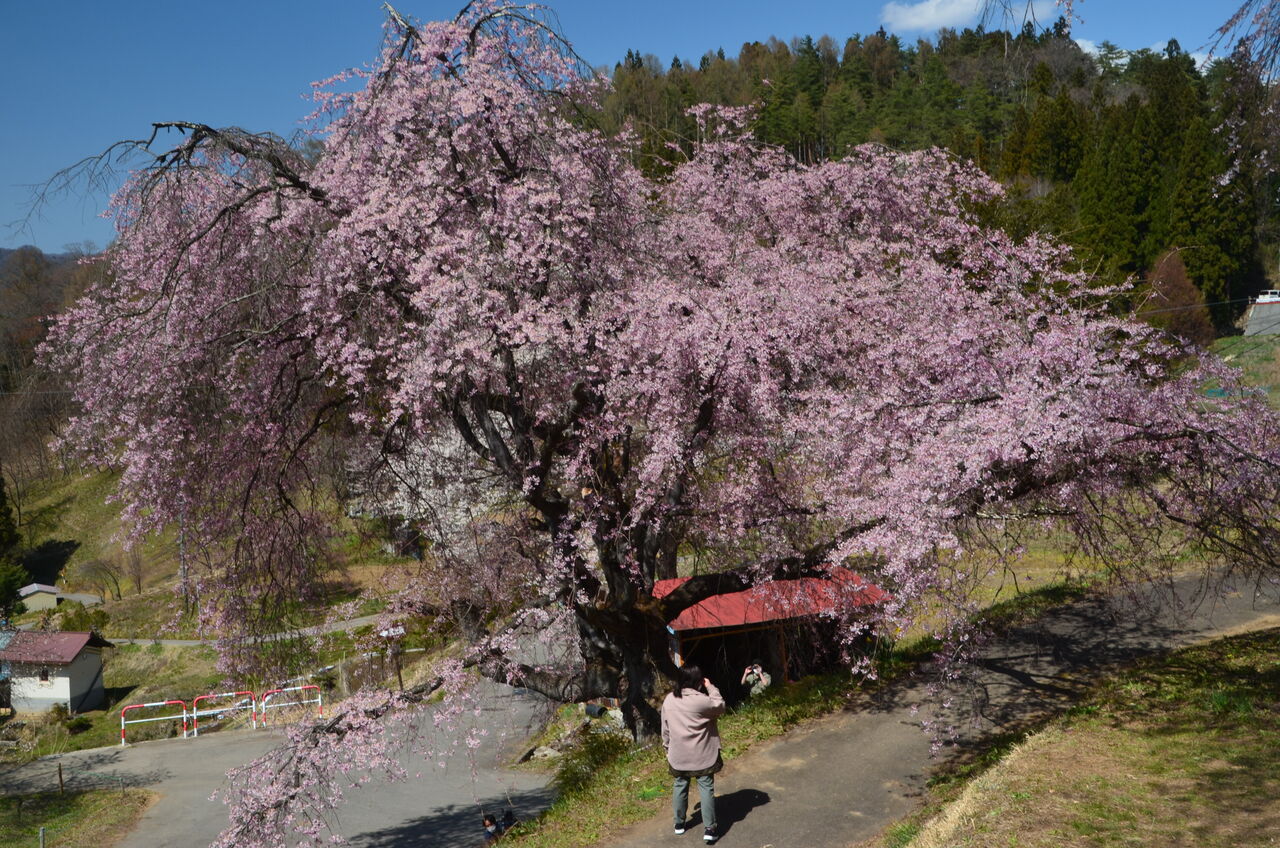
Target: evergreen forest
(1150,167)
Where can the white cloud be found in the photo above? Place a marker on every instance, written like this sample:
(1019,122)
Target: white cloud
(1087,46)
(929,14)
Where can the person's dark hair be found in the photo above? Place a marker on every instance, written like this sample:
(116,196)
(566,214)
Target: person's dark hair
(690,677)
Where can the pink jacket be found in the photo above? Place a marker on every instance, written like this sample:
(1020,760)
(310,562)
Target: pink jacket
(689,731)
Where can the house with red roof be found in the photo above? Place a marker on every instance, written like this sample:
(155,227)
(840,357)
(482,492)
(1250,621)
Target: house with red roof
(39,669)
(787,626)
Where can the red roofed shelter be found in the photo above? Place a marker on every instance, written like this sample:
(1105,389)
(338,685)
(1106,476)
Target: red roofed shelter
(786,625)
(41,669)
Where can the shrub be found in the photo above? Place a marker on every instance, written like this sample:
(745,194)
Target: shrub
(79,724)
(596,748)
(75,616)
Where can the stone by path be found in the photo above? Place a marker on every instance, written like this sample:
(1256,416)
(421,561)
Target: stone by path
(845,778)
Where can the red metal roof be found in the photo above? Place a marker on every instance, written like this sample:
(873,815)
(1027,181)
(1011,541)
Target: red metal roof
(779,599)
(54,648)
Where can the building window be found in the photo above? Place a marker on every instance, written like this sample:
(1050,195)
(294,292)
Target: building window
(44,674)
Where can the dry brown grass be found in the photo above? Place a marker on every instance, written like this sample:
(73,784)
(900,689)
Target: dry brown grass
(99,818)
(1104,786)
(1183,752)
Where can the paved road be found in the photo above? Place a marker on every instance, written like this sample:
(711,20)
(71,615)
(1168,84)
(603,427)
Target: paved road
(440,809)
(841,780)
(316,630)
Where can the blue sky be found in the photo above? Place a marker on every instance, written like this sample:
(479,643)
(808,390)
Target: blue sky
(81,74)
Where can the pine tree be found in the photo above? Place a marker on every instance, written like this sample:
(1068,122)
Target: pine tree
(1109,186)
(1013,159)
(12,578)
(1055,138)
(1212,223)
(12,575)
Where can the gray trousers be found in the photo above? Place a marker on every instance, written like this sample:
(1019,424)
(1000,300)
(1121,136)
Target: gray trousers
(680,799)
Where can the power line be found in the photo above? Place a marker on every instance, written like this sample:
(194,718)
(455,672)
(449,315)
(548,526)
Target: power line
(43,392)
(1144,312)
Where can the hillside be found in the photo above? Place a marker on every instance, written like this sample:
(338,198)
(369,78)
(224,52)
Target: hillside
(74,538)
(1177,751)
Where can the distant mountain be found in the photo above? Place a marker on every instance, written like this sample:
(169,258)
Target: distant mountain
(55,258)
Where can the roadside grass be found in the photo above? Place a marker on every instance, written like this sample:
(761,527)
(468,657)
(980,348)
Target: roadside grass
(1046,571)
(1178,750)
(68,521)
(1257,357)
(1028,606)
(97,818)
(155,614)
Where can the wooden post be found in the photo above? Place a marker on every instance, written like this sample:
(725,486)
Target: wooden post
(61,787)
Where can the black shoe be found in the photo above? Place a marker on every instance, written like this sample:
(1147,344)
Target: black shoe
(680,828)
(709,835)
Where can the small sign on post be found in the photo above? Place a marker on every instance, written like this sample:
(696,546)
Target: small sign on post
(395,633)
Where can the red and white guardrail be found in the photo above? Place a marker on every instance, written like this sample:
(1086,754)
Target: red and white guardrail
(264,703)
(196,712)
(257,705)
(182,715)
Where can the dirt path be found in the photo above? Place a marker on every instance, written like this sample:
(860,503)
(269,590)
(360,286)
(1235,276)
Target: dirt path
(845,778)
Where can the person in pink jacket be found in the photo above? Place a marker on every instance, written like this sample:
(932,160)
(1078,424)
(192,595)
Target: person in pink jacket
(692,740)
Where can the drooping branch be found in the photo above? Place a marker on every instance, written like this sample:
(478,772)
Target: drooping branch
(285,164)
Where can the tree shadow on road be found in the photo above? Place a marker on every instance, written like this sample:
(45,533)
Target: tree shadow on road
(456,825)
(99,770)
(1029,673)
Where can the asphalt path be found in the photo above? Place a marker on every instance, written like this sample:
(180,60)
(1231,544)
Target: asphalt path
(437,806)
(843,779)
(316,630)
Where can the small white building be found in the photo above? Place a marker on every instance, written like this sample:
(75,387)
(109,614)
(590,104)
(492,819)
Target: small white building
(41,669)
(38,596)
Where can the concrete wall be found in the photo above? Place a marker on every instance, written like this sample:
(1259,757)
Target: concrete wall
(87,691)
(29,694)
(40,601)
